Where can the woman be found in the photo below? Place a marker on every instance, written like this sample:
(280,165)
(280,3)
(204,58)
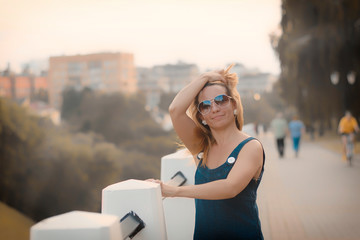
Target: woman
(229,162)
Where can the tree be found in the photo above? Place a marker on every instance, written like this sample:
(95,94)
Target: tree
(47,170)
(71,102)
(20,136)
(319,38)
(117,117)
(165,100)
(41,95)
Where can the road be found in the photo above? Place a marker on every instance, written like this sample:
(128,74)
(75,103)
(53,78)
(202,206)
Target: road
(314,196)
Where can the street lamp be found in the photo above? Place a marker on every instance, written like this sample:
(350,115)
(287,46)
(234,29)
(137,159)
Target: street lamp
(257,96)
(351,76)
(334,77)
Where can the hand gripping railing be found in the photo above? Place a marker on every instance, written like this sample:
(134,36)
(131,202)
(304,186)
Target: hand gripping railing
(177,180)
(131,223)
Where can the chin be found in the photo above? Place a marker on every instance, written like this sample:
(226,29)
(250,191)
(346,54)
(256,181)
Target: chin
(220,124)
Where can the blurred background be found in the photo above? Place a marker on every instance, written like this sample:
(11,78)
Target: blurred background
(85,85)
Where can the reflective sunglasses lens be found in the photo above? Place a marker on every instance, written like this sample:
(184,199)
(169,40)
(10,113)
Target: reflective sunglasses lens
(204,106)
(221,100)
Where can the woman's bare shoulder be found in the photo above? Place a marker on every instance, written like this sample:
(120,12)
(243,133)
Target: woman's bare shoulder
(252,148)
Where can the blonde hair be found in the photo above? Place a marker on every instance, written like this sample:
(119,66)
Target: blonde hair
(203,132)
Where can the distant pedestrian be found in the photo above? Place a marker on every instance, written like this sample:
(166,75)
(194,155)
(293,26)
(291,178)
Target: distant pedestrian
(296,128)
(348,126)
(256,128)
(311,130)
(279,128)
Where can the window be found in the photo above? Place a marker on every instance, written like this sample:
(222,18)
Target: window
(75,68)
(94,64)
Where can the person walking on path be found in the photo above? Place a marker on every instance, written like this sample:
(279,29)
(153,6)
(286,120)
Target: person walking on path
(296,128)
(230,163)
(347,127)
(279,128)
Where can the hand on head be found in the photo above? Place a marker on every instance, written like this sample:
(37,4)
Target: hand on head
(229,79)
(213,76)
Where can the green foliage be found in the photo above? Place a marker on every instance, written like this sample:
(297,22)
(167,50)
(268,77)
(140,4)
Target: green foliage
(71,102)
(47,170)
(117,117)
(42,95)
(75,169)
(20,135)
(165,100)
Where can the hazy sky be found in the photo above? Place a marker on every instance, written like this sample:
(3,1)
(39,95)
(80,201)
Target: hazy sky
(209,33)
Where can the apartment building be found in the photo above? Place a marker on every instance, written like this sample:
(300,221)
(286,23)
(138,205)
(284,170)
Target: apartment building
(173,77)
(23,86)
(164,78)
(107,72)
(251,81)
(6,89)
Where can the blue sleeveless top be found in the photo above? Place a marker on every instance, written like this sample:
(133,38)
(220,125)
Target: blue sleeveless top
(234,218)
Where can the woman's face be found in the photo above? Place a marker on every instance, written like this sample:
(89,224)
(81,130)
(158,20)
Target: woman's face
(218,116)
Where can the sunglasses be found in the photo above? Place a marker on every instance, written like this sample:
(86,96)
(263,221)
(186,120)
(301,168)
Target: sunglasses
(221,100)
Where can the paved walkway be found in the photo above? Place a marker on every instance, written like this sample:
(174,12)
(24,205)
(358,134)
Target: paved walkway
(314,196)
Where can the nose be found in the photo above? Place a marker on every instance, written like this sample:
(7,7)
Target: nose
(214,107)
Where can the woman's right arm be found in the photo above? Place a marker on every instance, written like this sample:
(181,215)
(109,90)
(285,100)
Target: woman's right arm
(183,124)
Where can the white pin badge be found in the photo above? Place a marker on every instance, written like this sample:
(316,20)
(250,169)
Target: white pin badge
(231,160)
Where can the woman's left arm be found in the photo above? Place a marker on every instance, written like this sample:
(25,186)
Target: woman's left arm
(247,166)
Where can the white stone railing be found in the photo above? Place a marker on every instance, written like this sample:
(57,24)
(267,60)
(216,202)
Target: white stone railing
(131,209)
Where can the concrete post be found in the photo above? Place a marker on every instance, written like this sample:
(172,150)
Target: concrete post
(77,225)
(179,212)
(141,197)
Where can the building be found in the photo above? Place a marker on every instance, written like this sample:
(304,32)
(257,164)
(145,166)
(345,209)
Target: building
(173,77)
(42,109)
(252,82)
(22,86)
(108,72)
(6,89)
(149,85)
(164,78)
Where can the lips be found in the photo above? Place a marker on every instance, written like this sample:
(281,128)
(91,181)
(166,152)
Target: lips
(217,117)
